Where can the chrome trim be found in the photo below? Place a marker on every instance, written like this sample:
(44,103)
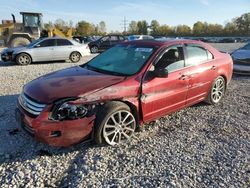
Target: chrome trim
(30,105)
(39,105)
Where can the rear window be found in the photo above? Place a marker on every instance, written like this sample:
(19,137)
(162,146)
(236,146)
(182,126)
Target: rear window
(197,55)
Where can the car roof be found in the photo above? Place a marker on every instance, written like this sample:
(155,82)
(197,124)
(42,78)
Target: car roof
(162,42)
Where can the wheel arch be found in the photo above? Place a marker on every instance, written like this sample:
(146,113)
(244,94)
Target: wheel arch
(134,109)
(24,53)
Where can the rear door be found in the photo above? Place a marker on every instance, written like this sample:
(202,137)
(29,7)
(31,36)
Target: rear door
(114,40)
(162,96)
(44,50)
(201,72)
(63,49)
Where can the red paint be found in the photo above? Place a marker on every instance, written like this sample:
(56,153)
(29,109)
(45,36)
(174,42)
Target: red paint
(151,98)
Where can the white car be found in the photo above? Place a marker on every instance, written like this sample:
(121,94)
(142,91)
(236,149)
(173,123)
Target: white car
(46,49)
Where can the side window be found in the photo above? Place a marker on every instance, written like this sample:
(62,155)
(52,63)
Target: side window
(104,39)
(121,38)
(114,38)
(47,43)
(197,55)
(63,42)
(172,59)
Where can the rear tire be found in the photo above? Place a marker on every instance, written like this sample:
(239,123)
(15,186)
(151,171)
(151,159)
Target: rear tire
(75,57)
(217,91)
(19,41)
(23,59)
(94,49)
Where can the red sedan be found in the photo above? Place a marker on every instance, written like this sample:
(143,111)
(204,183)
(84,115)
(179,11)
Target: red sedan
(121,89)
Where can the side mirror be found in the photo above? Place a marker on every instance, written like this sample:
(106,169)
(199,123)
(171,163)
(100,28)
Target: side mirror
(37,46)
(161,73)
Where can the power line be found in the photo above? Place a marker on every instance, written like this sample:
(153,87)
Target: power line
(124,24)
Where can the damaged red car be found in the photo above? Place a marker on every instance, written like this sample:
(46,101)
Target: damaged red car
(121,89)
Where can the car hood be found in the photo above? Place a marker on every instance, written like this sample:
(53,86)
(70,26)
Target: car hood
(241,54)
(14,49)
(70,82)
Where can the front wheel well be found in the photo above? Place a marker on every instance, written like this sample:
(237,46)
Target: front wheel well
(132,107)
(23,53)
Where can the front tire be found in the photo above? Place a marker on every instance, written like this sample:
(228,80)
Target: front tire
(23,59)
(75,57)
(114,124)
(217,91)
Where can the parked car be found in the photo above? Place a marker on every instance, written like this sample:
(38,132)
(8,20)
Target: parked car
(241,59)
(140,37)
(46,49)
(83,40)
(124,87)
(105,43)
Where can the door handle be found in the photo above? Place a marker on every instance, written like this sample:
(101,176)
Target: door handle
(213,67)
(51,48)
(184,77)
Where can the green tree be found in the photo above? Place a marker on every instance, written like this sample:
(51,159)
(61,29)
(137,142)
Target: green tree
(230,29)
(199,29)
(142,27)
(155,27)
(183,30)
(85,28)
(243,24)
(214,30)
(165,30)
(133,28)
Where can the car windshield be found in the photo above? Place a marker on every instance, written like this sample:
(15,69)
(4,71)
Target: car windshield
(123,60)
(33,43)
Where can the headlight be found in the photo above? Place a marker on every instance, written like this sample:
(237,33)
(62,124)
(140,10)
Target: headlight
(68,111)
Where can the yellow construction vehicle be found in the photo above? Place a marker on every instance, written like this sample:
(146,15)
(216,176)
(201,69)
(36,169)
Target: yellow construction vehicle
(14,34)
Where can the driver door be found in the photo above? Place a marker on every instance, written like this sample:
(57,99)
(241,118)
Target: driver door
(44,51)
(161,96)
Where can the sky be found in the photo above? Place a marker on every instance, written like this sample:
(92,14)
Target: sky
(170,12)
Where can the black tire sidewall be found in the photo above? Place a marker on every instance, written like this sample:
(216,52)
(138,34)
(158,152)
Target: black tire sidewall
(18,56)
(92,50)
(73,54)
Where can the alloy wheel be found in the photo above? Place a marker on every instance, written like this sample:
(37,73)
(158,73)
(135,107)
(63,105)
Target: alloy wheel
(24,59)
(119,127)
(218,90)
(75,57)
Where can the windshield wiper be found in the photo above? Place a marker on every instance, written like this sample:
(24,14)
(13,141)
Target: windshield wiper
(104,71)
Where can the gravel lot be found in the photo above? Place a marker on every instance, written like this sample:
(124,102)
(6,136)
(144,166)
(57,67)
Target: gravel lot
(201,146)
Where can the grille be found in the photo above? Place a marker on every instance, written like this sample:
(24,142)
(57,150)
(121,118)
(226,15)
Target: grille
(242,61)
(30,105)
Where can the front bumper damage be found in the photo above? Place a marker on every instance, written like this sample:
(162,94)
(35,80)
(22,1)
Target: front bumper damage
(55,133)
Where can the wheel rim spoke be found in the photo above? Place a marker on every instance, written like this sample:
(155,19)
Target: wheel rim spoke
(116,129)
(110,132)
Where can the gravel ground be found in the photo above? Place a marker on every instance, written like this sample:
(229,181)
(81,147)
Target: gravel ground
(201,146)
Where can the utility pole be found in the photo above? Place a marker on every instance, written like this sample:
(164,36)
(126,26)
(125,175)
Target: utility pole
(124,24)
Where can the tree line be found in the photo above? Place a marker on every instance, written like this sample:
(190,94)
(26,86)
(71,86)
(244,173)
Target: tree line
(239,26)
